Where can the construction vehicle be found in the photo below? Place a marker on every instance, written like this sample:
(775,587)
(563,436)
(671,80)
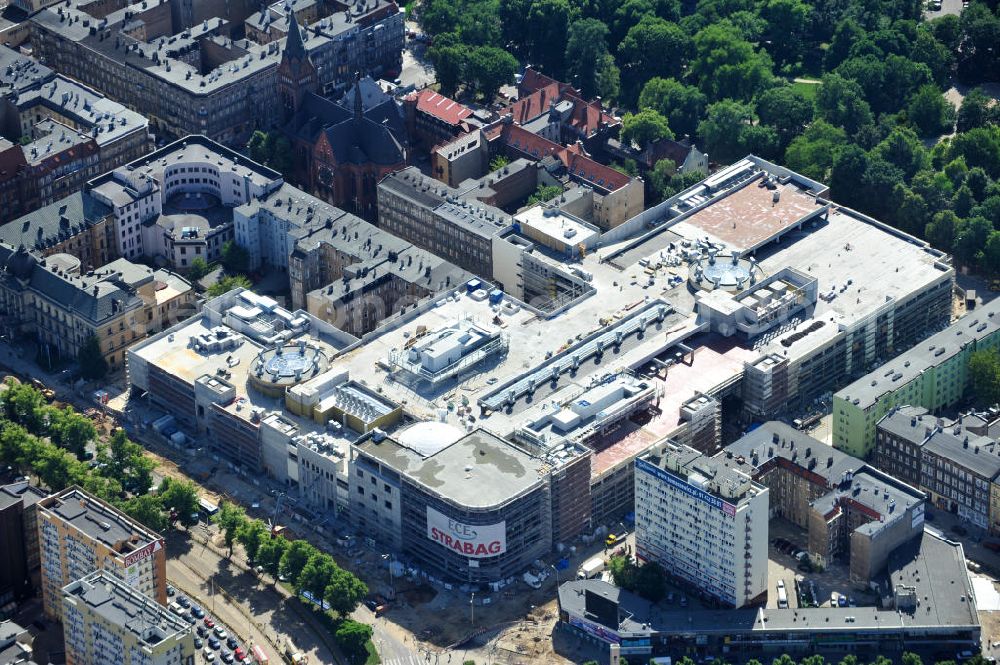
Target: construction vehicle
(293,655)
(47,393)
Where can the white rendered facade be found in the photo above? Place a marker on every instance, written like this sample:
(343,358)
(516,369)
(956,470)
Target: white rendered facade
(703,522)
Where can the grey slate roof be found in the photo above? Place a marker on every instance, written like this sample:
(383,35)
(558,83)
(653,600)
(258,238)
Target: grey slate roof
(55,222)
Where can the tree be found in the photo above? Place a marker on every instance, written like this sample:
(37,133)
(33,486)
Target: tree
(269,554)
(315,576)
(146,509)
(70,430)
(845,38)
(903,149)
(975,110)
(970,239)
(940,231)
(543,194)
(607,79)
(547,32)
(56,468)
(787,24)
(352,637)
(666,182)
(490,68)
(645,127)
(910,658)
(586,47)
(499,162)
(231,518)
(449,64)
(979,58)
(682,105)
(250,535)
(344,592)
(180,498)
(723,127)
(235,259)
(650,581)
(930,112)
(991,255)
(841,103)
(812,152)
(24,405)
(652,48)
(227,284)
(981,147)
(294,559)
(92,363)
(125,461)
(256,147)
(786,109)
(198,268)
(622,571)
(726,65)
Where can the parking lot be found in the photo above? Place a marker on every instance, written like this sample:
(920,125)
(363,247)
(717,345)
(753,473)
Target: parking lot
(213,639)
(807,586)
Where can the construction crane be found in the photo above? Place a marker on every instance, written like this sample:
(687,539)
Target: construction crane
(273,522)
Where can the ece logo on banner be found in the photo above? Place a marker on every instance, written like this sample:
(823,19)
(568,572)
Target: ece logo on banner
(471,540)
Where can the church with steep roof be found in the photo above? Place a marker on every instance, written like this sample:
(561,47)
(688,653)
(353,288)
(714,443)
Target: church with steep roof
(342,148)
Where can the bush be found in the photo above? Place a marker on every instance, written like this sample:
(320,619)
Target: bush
(352,637)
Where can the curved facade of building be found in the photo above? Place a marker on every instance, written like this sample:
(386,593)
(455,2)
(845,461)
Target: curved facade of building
(470,507)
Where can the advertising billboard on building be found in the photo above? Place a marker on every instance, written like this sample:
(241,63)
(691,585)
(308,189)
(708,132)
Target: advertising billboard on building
(472,540)
(133,571)
(687,488)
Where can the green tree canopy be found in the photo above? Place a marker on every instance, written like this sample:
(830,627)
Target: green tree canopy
(91,359)
(726,65)
(586,48)
(235,259)
(930,112)
(645,127)
(682,105)
(227,284)
(352,638)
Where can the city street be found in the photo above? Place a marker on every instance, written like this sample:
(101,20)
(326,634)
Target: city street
(254,610)
(416,71)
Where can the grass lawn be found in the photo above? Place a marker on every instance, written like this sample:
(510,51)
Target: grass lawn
(373,658)
(807,89)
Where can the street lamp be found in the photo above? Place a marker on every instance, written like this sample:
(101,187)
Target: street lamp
(556,570)
(392,579)
(472,610)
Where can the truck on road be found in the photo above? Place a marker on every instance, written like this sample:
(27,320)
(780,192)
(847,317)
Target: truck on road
(591,568)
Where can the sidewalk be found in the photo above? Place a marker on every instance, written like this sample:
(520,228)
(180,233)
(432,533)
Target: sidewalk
(304,613)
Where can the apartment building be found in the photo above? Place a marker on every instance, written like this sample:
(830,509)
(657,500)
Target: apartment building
(183,66)
(66,132)
(77,224)
(18,543)
(107,621)
(63,306)
(848,509)
(439,219)
(958,468)
(933,374)
(705,523)
(79,534)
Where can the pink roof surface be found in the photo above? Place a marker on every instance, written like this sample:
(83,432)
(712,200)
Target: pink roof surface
(441,107)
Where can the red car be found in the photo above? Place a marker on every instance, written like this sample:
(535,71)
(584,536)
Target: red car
(209,623)
(239,653)
(992,545)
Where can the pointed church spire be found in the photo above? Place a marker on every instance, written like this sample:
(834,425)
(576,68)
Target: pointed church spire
(295,48)
(359,107)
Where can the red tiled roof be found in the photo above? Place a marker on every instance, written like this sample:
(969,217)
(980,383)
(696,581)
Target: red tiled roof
(576,161)
(528,108)
(533,80)
(441,107)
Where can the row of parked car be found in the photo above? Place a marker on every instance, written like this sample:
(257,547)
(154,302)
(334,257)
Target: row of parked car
(212,638)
